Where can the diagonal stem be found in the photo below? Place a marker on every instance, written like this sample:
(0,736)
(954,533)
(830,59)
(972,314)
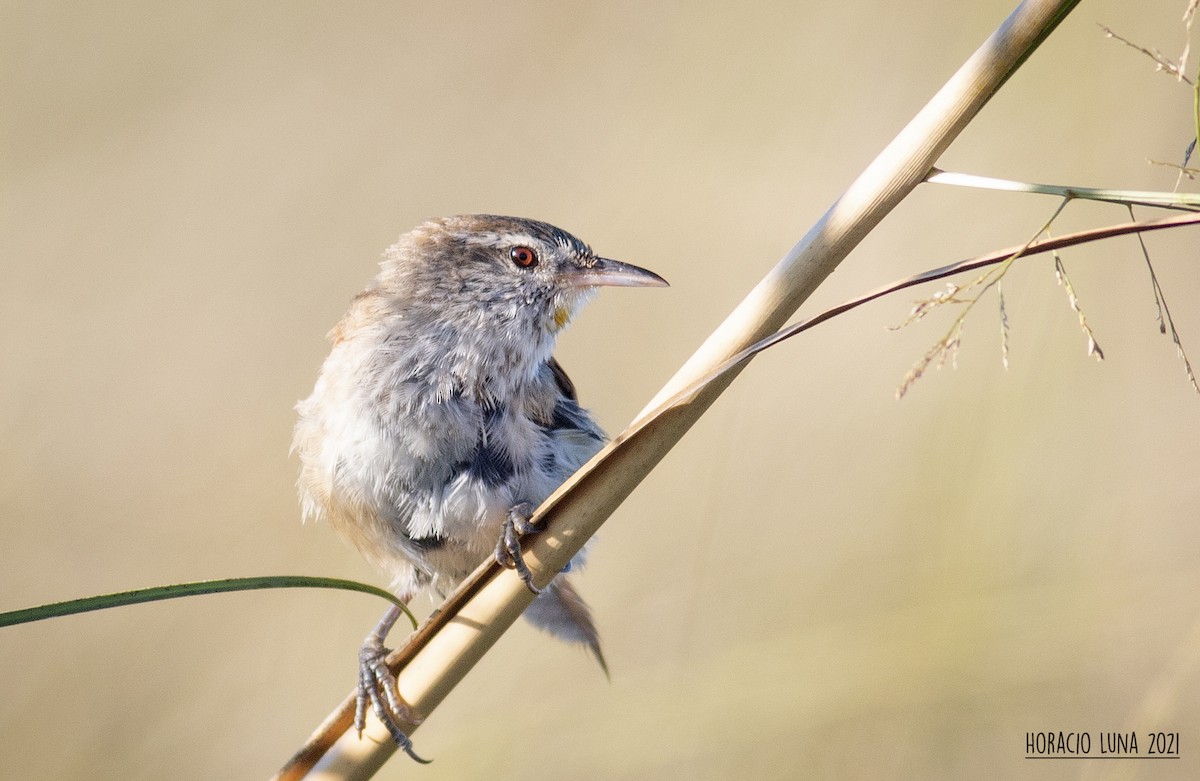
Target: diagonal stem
(486,604)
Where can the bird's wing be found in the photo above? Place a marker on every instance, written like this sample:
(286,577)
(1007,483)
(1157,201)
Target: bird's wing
(562,380)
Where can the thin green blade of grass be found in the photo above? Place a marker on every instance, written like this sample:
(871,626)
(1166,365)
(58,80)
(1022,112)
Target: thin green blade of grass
(140,596)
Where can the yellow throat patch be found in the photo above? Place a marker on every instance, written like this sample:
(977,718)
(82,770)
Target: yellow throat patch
(562,316)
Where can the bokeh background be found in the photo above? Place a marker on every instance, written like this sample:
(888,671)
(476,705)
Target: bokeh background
(818,582)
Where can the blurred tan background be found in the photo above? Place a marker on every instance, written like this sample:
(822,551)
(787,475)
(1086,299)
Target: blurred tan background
(818,582)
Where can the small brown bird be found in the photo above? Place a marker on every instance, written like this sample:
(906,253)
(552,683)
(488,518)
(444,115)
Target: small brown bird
(440,419)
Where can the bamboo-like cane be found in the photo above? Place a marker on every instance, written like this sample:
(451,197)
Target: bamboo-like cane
(474,617)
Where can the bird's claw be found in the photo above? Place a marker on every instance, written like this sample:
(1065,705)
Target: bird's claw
(508,550)
(377,687)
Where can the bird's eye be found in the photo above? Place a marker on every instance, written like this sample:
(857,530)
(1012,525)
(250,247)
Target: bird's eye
(523,257)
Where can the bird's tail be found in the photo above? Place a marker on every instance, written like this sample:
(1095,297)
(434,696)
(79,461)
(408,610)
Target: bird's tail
(560,611)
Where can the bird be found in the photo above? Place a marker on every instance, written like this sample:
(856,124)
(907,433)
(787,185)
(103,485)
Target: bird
(441,419)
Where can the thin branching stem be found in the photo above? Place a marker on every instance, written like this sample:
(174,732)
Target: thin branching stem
(1165,321)
(1164,63)
(1060,273)
(949,343)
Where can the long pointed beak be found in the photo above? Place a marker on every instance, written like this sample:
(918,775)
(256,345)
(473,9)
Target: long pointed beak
(613,273)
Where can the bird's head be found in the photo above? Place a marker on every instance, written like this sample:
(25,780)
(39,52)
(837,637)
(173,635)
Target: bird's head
(520,278)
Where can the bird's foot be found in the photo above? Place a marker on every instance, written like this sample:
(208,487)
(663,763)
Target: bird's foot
(378,689)
(508,551)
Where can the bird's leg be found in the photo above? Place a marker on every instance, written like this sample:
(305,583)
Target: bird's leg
(508,550)
(377,687)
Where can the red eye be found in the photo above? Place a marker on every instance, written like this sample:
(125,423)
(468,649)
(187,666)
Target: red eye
(523,257)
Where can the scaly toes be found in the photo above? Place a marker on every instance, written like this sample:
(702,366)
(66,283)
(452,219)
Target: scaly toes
(508,549)
(377,687)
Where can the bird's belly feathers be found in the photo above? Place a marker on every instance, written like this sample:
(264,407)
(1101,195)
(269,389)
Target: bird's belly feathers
(424,492)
